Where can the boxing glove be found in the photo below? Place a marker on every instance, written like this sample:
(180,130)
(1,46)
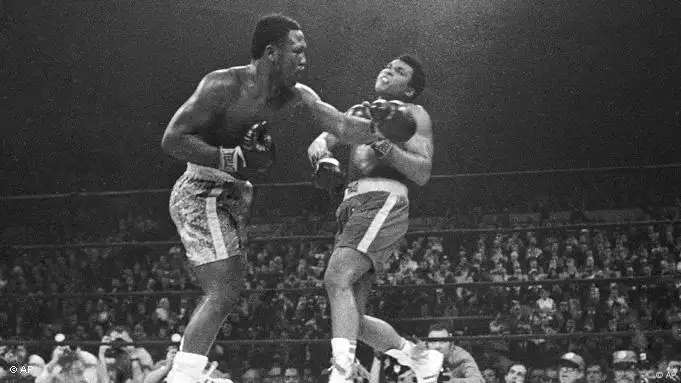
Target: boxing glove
(255,156)
(328,174)
(394,120)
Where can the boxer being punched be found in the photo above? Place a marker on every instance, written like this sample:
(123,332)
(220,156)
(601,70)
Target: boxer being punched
(374,216)
(222,132)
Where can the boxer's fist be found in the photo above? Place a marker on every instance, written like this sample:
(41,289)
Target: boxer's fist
(259,150)
(328,174)
(394,119)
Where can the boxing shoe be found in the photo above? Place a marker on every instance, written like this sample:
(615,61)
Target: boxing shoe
(427,367)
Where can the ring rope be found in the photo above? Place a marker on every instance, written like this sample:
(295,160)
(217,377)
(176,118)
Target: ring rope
(320,290)
(305,238)
(476,338)
(605,169)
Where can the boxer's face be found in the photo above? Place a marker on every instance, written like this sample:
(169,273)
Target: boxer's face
(289,59)
(393,80)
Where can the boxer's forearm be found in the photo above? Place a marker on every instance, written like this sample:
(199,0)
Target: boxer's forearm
(415,166)
(191,148)
(347,129)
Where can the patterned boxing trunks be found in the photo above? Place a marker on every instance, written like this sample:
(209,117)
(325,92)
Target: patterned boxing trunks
(209,209)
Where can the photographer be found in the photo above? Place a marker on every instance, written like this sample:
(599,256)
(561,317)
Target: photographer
(118,363)
(69,365)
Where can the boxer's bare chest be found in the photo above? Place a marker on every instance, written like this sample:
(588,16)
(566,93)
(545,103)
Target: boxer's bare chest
(248,109)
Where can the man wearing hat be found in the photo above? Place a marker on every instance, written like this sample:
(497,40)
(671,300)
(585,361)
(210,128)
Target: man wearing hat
(624,366)
(571,368)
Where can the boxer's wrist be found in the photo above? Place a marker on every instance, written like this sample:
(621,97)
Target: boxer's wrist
(319,157)
(329,160)
(229,159)
(382,147)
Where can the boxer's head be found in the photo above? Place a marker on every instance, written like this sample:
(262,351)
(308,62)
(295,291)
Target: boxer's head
(402,79)
(279,41)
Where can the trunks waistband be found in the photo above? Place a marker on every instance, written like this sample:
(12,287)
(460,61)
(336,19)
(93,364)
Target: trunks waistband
(367,185)
(205,173)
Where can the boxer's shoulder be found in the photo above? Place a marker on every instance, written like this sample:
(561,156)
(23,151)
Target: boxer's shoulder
(227,80)
(306,93)
(417,109)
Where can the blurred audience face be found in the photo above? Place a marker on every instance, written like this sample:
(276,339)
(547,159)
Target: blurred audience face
(624,373)
(443,347)
(551,375)
(516,374)
(291,375)
(569,374)
(307,375)
(251,376)
(274,375)
(490,376)
(537,375)
(594,374)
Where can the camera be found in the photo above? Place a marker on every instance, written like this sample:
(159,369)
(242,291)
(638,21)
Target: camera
(117,346)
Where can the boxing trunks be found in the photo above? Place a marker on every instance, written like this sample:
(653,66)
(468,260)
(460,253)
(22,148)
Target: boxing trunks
(209,208)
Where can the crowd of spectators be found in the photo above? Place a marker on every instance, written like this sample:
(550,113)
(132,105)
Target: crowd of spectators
(541,308)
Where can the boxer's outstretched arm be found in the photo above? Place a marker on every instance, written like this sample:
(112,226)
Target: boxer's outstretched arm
(347,129)
(180,138)
(415,159)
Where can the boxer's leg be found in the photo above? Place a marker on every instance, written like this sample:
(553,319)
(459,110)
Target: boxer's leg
(374,332)
(222,281)
(201,212)
(345,268)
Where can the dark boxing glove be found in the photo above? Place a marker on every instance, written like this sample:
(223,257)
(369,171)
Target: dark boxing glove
(328,174)
(254,157)
(394,120)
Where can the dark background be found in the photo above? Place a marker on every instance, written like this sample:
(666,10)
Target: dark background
(88,86)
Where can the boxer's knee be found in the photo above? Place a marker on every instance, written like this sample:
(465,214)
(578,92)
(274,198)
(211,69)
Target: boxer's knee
(222,283)
(345,268)
(221,302)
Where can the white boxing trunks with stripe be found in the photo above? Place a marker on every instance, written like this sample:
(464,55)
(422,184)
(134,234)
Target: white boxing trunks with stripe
(373,218)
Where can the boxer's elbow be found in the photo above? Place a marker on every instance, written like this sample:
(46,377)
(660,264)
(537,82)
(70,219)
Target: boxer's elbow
(170,142)
(423,173)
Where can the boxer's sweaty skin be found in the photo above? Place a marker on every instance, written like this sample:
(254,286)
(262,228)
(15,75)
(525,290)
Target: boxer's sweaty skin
(233,98)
